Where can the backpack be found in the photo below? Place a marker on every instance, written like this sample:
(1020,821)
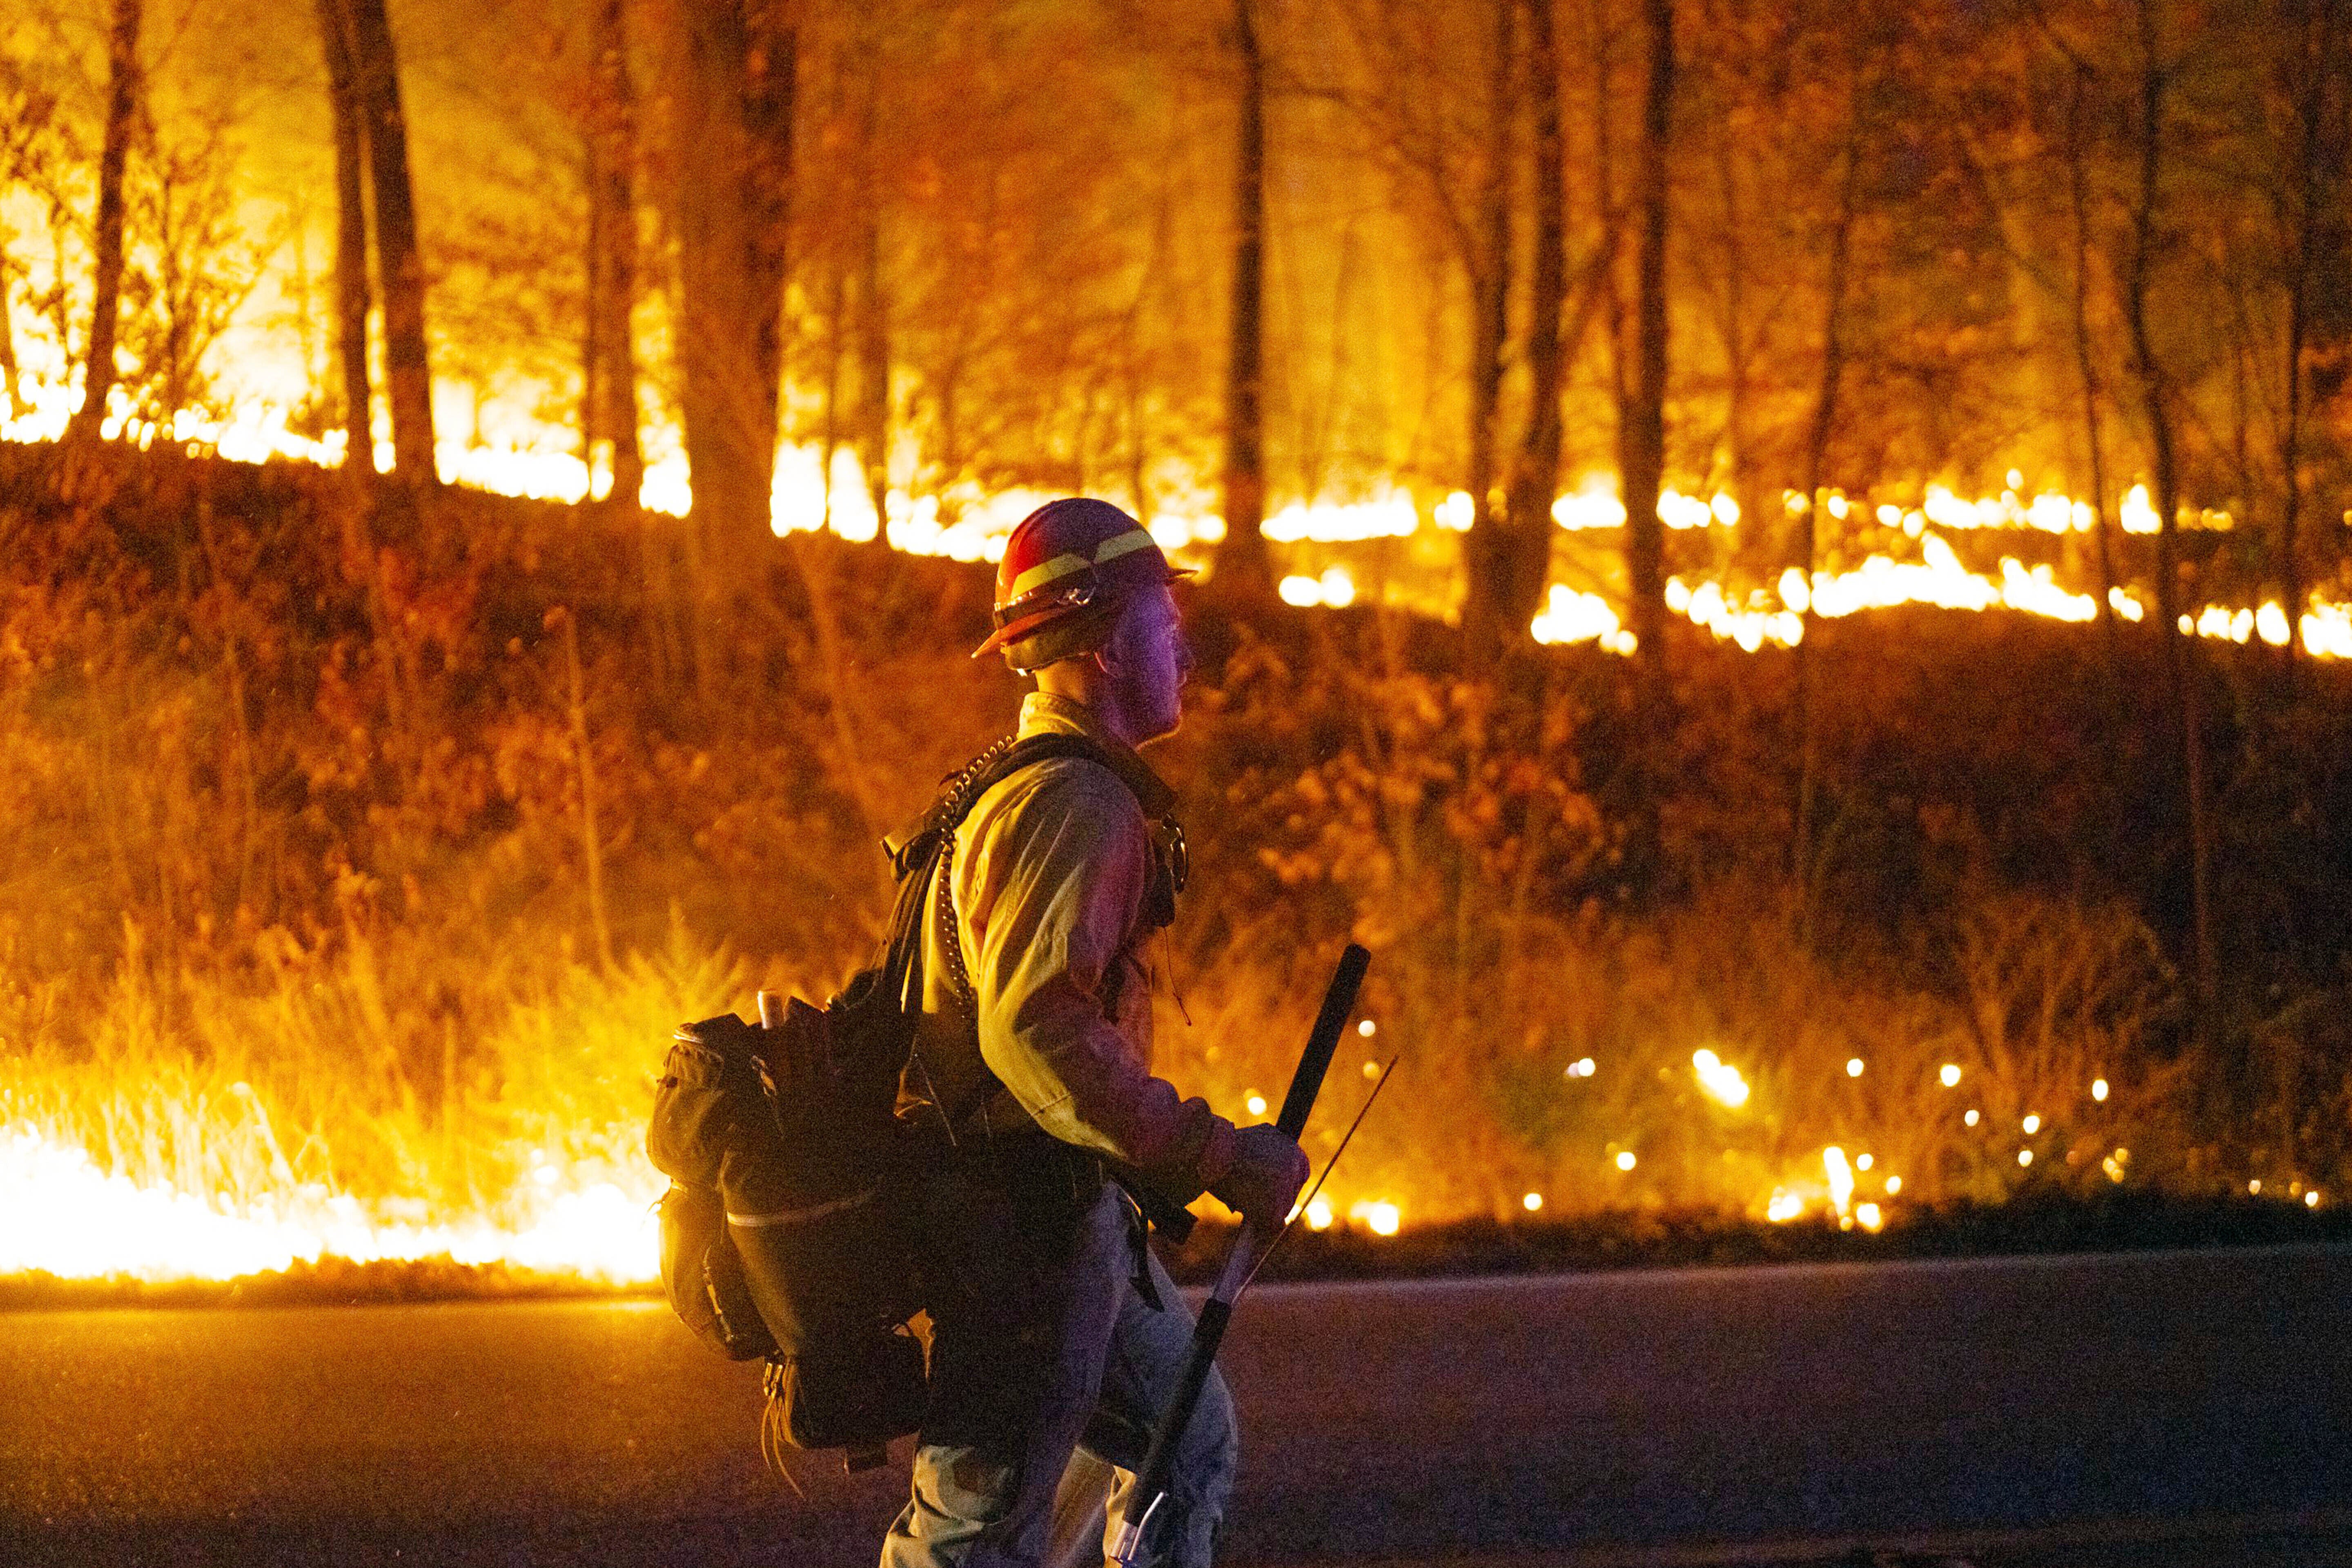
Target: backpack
(786,1233)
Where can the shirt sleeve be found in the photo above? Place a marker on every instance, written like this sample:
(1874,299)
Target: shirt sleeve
(1062,882)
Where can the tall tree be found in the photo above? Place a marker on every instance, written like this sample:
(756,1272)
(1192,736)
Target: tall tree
(733,99)
(1242,559)
(2315,73)
(2156,398)
(1642,412)
(873,304)
(1820,430)
(2086,366)
(1490,289)
(122,88)
(350,238)
(1526,548)
(400,265)
(611,415)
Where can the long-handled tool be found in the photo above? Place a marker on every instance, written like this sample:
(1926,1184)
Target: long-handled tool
(1151,1480)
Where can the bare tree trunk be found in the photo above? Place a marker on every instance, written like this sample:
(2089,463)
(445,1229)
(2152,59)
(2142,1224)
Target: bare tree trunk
(1641,422)
(1243,563)
(1739,343)
(106,298)
(10,377)
(1822,427)
(734,103)
(591,841)
(1490,280)
(591,314)
(613,261)
(399,267)
(1534,477)
(836,327)
(351,240)
(873,322)
(2086,362)
(2315,52)
(2179,647)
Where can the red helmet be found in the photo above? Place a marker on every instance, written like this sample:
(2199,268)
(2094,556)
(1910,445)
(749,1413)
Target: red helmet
(1065,568)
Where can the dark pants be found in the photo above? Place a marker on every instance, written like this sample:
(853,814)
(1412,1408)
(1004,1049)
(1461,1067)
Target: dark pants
(1046,1343)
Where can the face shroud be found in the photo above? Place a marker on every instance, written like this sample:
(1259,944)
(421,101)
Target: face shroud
(1067,568)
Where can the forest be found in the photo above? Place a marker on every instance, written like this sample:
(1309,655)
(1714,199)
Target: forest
(1783,565)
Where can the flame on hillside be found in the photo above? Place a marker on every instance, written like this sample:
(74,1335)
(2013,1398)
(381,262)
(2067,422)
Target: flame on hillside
(967,523)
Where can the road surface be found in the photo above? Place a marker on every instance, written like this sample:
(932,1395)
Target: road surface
(2141,1410)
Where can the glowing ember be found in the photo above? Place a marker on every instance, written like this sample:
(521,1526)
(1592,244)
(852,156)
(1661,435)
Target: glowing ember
(1390,516)
(1569,616)
(1334,589)
(1719,1078)
(1381,1217)
(1751,624)
(1840,1172)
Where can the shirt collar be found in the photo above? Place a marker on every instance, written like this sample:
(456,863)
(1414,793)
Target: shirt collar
(1043,713)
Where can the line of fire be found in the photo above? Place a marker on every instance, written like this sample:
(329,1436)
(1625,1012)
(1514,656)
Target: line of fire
(1783,567)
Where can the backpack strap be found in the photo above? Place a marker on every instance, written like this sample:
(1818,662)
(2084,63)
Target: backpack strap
(914,846)
(917,850)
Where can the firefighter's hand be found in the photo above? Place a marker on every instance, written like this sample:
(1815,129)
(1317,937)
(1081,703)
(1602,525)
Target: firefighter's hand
(1263,1180)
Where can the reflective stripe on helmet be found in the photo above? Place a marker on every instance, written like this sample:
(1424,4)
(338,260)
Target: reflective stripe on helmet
(1061,566)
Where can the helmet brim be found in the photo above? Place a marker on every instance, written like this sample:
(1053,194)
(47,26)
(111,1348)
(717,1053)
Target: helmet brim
(1021,627)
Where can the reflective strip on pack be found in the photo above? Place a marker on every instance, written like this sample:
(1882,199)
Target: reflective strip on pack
(801,1217)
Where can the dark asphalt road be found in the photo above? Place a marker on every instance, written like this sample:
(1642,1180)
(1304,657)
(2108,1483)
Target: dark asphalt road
(2187,1408)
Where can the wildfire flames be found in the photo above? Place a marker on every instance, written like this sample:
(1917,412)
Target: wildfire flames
(68,1218)
(970,525)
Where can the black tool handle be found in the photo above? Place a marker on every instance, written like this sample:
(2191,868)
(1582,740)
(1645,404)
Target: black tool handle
(1151,1481)
(1338,1001)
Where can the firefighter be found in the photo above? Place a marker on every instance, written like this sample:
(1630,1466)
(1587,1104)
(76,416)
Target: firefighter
(1055,1332)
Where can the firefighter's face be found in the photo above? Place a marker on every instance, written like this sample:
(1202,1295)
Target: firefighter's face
(1148,660)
